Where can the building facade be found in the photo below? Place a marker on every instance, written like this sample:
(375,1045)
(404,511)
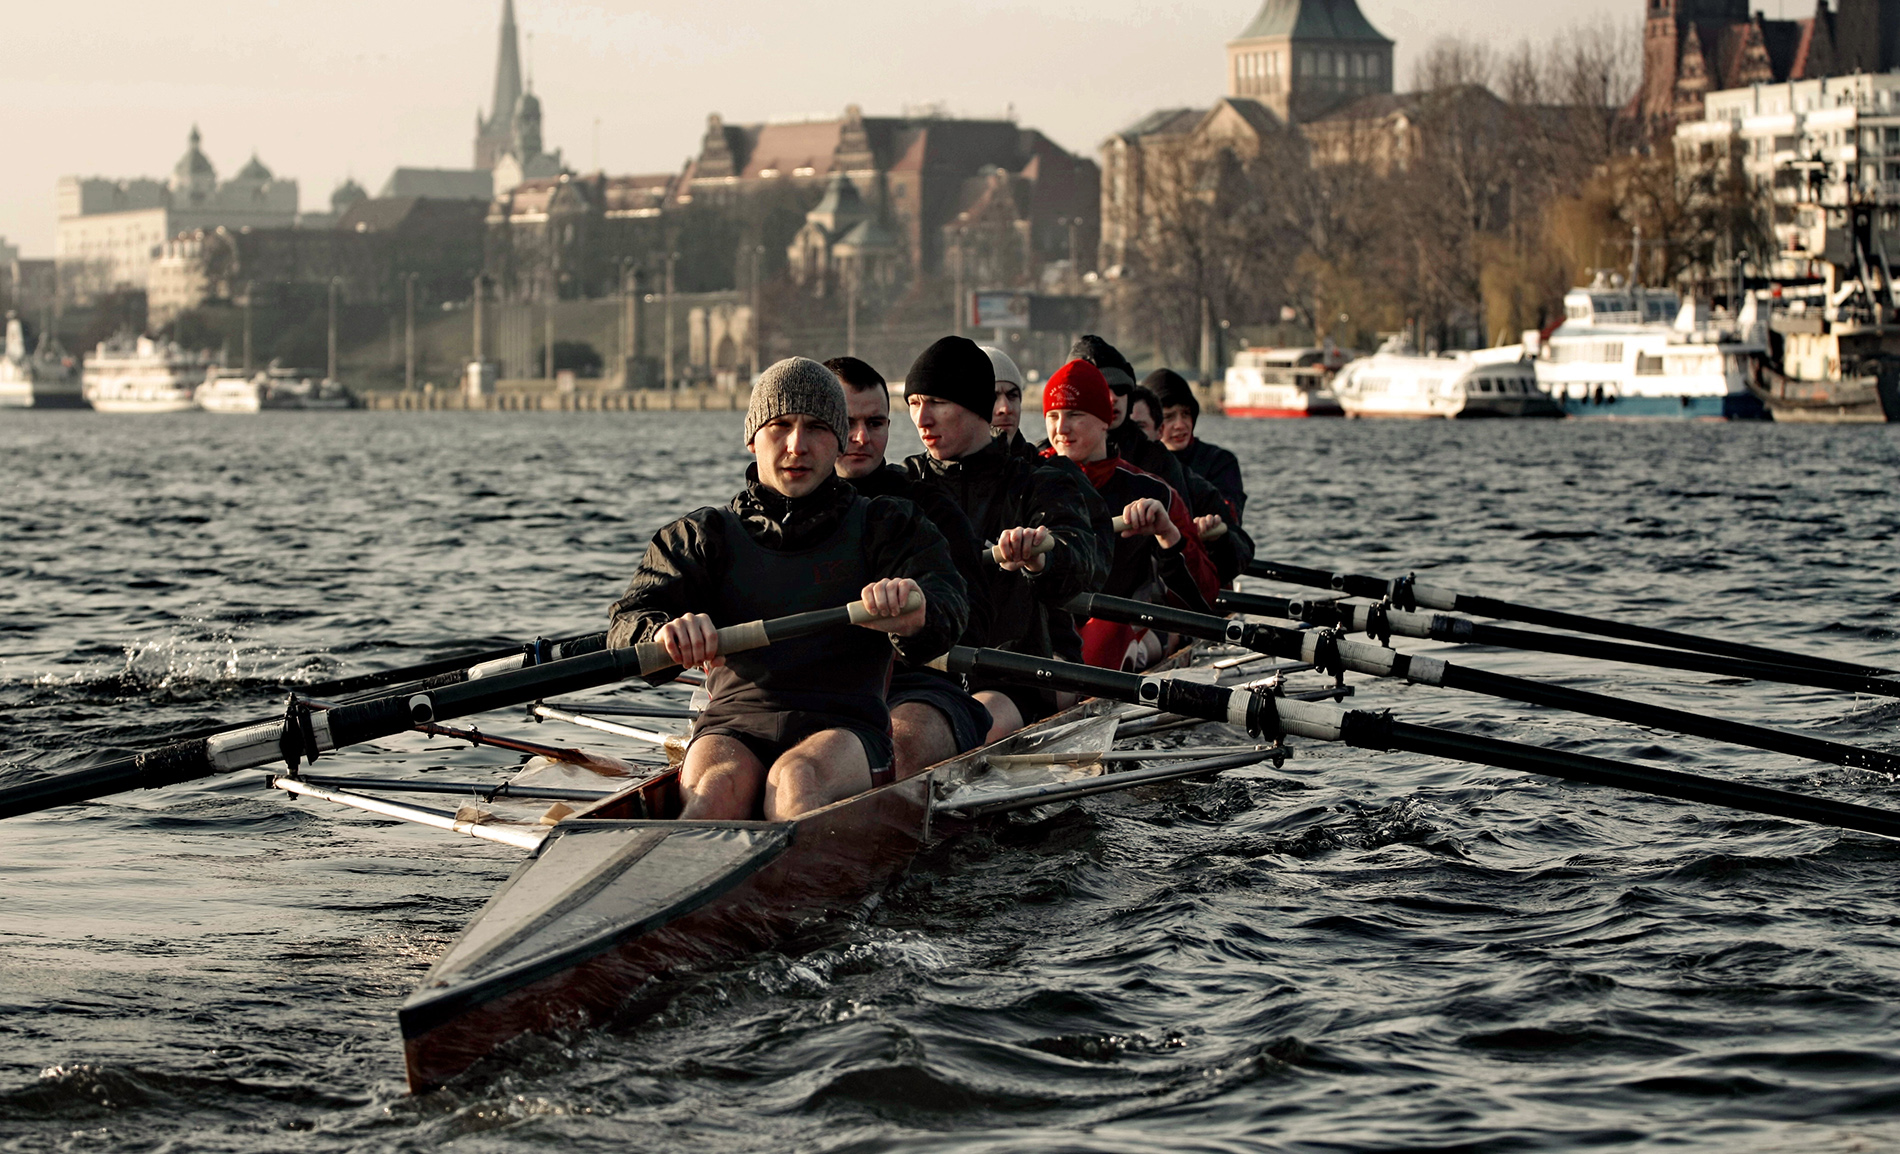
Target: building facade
(1813,152)
(110,231)
(1693,48)
(375,248)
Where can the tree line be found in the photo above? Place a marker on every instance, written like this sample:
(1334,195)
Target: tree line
(1458,213)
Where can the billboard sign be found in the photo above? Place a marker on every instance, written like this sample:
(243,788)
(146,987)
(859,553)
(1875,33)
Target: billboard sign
(999,310)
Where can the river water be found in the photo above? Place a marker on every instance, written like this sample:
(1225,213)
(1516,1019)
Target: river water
(1362,952)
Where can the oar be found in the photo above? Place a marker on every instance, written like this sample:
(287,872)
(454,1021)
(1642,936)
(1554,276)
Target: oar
(1265,715)
(1119,524)
(304,733)
(427,676)
(1378,620)
(542,649)
(1119,756)
(1407,594)
(1030,796)
(1324,649)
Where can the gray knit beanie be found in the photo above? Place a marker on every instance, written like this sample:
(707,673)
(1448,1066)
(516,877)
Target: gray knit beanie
(797,385)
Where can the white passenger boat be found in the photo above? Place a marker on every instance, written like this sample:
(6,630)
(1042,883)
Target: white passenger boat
(229,392)
(1281,383)
(44,379)
(1460,385)
(143,375)
(1623,352)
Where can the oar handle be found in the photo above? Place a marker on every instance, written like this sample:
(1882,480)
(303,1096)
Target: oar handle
(1041,550)
(1218,531)
(758,634)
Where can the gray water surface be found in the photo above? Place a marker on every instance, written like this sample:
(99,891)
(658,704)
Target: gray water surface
(1362,952)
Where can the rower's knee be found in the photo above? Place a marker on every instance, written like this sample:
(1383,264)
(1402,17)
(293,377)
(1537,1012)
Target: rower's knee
(824,768)
(719,780)
(920,738)
(1005,718)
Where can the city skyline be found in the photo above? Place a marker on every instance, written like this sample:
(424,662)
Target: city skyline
(334,103)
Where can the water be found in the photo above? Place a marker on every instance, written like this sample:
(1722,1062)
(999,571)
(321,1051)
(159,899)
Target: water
(1363,952)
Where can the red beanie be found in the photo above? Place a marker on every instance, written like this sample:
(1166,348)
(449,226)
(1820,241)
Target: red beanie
(1079,385)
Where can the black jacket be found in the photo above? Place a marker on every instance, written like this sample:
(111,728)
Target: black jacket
(998,490)
(966,551)
(688,559)
(1220,467)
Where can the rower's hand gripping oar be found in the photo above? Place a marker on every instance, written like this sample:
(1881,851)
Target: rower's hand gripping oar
(1408,594)
(1382,620)
(1119,524)
(1339,655)
(305,732)
(1265,715)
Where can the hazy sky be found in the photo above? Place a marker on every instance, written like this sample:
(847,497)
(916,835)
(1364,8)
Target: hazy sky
(325,89)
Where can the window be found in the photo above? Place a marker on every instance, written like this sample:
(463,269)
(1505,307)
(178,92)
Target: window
(1325,64)
(1339,64)
(1306,64)
(1372,67)
(1893,137)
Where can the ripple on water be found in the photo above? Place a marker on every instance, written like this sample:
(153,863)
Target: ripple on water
(1360,952)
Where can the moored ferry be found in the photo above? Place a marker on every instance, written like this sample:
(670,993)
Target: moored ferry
(125,375)
(1456,386)
(1281,383)
(1635,352)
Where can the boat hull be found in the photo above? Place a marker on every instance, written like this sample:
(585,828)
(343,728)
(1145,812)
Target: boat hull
(1726,407)
(1854,401)
(1267,413)
(144,405)
(828,861)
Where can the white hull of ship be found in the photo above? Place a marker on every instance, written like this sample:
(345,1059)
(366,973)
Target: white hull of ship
(176,403)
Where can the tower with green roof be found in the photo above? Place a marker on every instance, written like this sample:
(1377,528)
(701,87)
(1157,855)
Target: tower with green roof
(1304,58)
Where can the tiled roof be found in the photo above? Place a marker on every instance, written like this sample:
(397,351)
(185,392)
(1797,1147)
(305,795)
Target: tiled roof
(1312,20)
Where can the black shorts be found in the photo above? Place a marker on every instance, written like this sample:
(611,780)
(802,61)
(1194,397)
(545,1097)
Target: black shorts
(1034,704)
(969,721)
(770,735)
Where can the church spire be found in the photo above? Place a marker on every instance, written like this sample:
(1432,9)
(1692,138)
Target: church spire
(507,68)
(494,134)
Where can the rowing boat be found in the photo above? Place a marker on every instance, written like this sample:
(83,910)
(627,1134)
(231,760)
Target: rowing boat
(622,894)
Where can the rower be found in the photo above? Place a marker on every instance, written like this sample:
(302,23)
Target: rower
(1022,506)
(932,717)
(1159,555)
(1180,414)
(803,723)
(1127,441)
(1006,419)
(1215,515)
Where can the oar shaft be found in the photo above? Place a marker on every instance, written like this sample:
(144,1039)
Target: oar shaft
(1436,597)
(354,722)
(1459,631)
(1118,524)
(1379,661)
(1434,742)
(1257,712)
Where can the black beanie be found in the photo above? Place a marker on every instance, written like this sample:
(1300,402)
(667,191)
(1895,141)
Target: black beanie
(1107,358)
(956,369)
(1171,388)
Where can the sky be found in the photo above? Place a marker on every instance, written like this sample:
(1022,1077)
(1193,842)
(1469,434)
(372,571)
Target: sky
(352,88)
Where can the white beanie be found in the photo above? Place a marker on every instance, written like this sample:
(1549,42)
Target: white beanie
(1005,368)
